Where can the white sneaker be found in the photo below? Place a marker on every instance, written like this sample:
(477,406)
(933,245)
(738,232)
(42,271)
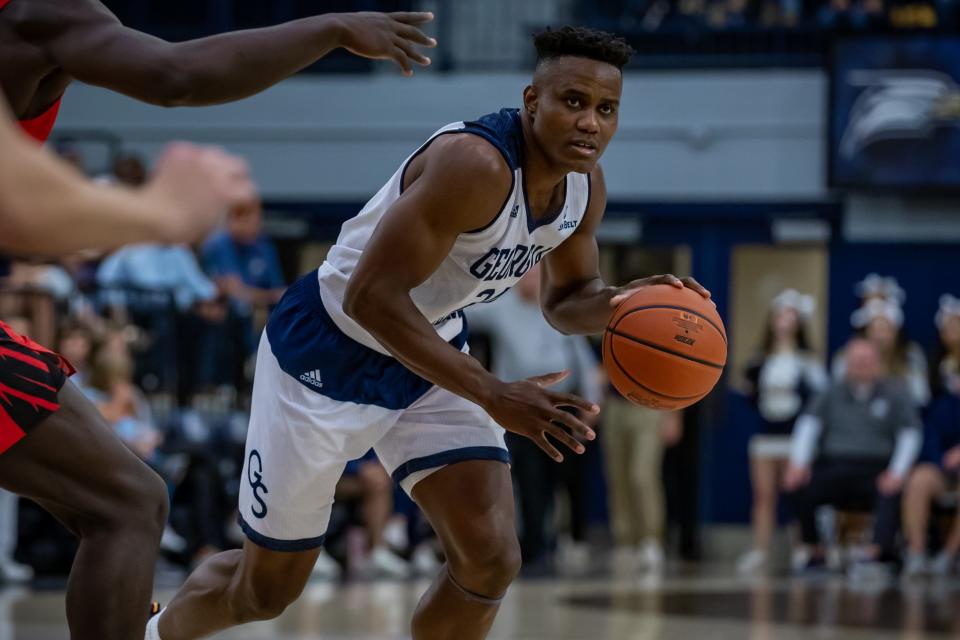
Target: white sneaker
(326,568)
(574,557)
(387,563)
(915,565)
(395,533)
(651,556)
(753,562)
(424,560)
(942,564)
(14,572)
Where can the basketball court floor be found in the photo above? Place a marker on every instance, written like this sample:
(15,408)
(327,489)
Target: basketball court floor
(687,605)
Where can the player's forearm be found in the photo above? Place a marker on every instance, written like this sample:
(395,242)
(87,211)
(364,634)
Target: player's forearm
(399,326)
(236,65)
(584,310)
(47,208)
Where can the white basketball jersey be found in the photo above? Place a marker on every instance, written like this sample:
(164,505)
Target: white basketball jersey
(482,264)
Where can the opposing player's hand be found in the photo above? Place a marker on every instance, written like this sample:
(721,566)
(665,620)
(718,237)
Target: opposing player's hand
(198,185)
(627,290)
(387,36)
(529,409)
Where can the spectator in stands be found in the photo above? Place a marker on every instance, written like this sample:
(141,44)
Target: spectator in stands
(937,473)
(634,439)
(852,448)
(881,322)
(367,481)
(524,345)
(945,369)
(76,345)
(243,262)
(783,377)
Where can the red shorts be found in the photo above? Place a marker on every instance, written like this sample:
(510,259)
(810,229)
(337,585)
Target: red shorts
(31,377)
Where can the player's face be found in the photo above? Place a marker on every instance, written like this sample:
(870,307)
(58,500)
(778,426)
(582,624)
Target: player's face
(573,106)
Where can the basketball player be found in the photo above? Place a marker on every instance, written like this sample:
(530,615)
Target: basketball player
(72,464)
(369,351)
(85,476)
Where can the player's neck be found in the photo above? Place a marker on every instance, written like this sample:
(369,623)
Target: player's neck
(542,178)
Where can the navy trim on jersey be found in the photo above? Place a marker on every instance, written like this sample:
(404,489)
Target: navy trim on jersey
(533,225)
(303,544)
(513,177)
(449,457)
(312,350)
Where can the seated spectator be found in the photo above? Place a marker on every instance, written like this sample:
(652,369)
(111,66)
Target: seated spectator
(934,477)
(366,480)
(881,322)
(937,473)
(243,263)
(852,448)
(782,378)
(76,345)
(945,369)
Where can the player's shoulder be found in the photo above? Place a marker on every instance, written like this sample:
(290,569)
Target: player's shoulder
(464,157)
(41,19)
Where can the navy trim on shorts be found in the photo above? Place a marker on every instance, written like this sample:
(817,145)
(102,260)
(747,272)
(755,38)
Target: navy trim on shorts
(304,544)
(449,457)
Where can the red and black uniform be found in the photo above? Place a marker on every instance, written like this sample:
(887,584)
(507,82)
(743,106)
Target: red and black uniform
(31,376)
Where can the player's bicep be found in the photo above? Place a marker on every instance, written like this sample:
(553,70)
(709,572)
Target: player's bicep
(91,44)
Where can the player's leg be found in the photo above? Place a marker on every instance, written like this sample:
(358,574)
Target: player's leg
(74,466)
(292,464)
(470,505)
(235,587)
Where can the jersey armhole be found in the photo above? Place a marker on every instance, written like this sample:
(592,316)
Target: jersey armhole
(492,141)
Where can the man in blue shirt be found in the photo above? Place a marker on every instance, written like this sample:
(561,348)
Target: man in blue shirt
(243,262)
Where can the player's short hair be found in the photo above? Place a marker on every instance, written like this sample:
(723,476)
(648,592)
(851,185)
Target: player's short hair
(584,43)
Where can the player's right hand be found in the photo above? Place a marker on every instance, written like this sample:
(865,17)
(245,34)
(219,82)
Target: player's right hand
(198,185)
(529,409)
(386,36)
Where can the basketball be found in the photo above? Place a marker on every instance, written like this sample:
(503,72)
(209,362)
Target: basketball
(665,347)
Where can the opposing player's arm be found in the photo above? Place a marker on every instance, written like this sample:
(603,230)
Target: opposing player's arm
(573,295)
(460,183)
(48,208)
(90,43)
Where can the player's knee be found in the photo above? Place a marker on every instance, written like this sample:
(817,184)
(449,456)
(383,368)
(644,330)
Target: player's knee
(146,505)
(488,564)
(136,502)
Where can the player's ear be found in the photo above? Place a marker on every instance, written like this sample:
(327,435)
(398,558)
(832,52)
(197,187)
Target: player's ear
(530,98)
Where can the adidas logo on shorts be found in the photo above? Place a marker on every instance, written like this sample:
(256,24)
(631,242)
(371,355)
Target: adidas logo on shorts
(312,377)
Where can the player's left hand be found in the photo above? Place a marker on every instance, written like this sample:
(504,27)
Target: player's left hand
(387,36)
(889,484)
(627,290)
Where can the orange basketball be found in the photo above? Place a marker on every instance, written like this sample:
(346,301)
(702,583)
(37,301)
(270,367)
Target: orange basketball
(665,347)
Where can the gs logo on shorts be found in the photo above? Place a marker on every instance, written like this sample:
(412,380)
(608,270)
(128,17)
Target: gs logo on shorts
(255,478)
